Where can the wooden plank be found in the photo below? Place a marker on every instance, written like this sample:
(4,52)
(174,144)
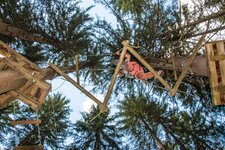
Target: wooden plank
(16,122)
(217,57)
(220,89)
(187,65)
(5,99)
(30,102)
(221,51)
(31,147)
(113,81)
(59,71)
(213,73)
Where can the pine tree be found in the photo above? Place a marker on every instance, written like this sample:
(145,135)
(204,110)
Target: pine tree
(53,130)
(100,133)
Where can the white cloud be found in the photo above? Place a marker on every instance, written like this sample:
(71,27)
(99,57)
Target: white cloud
(183,2)
(86,105)
(1,56)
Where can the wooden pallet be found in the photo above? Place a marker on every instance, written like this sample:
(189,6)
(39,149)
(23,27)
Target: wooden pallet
(215,53)
(36,89)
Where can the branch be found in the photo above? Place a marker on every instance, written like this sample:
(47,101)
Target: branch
(9,30)
(204,19)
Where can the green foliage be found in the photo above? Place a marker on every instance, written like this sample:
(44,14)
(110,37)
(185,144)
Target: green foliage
(54,129)
(185,128)
(100,133)
(6,130)
(64,23)
(131,6)
(181,122)
(135,111)
(216,4)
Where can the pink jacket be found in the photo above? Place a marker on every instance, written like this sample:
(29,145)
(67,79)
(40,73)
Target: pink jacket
(136,66)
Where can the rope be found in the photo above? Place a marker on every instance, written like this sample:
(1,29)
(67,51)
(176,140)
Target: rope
(15,131)
(54,115)
(95,116)
(39,132)
(59,86)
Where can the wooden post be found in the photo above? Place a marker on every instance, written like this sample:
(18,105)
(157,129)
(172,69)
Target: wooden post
(135,54)
(188,64)
(31,147)
(121,59)
(16,122)
(59,71)
(77,69)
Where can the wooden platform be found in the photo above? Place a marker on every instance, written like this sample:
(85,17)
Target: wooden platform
(215,53)
(35,90)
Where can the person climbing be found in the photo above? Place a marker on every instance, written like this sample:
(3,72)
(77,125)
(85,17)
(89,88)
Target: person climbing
(133,69)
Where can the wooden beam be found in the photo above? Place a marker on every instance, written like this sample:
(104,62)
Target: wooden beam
(32,103)
(121,59)
(187,65)
(59,71)
(220,88)
(31,147)
(217,57)
(16,122)
(184,71)
(5,99)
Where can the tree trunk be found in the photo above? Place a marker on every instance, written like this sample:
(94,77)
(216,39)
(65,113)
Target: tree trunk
(153,134)
(97,141)
(198,67)
(174,137)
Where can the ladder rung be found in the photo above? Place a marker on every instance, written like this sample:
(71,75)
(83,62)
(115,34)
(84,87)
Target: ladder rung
(220,88)
(16,122)
(31,147)
(217,58)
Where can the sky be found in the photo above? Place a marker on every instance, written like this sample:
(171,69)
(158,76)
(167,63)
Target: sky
(79,102)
